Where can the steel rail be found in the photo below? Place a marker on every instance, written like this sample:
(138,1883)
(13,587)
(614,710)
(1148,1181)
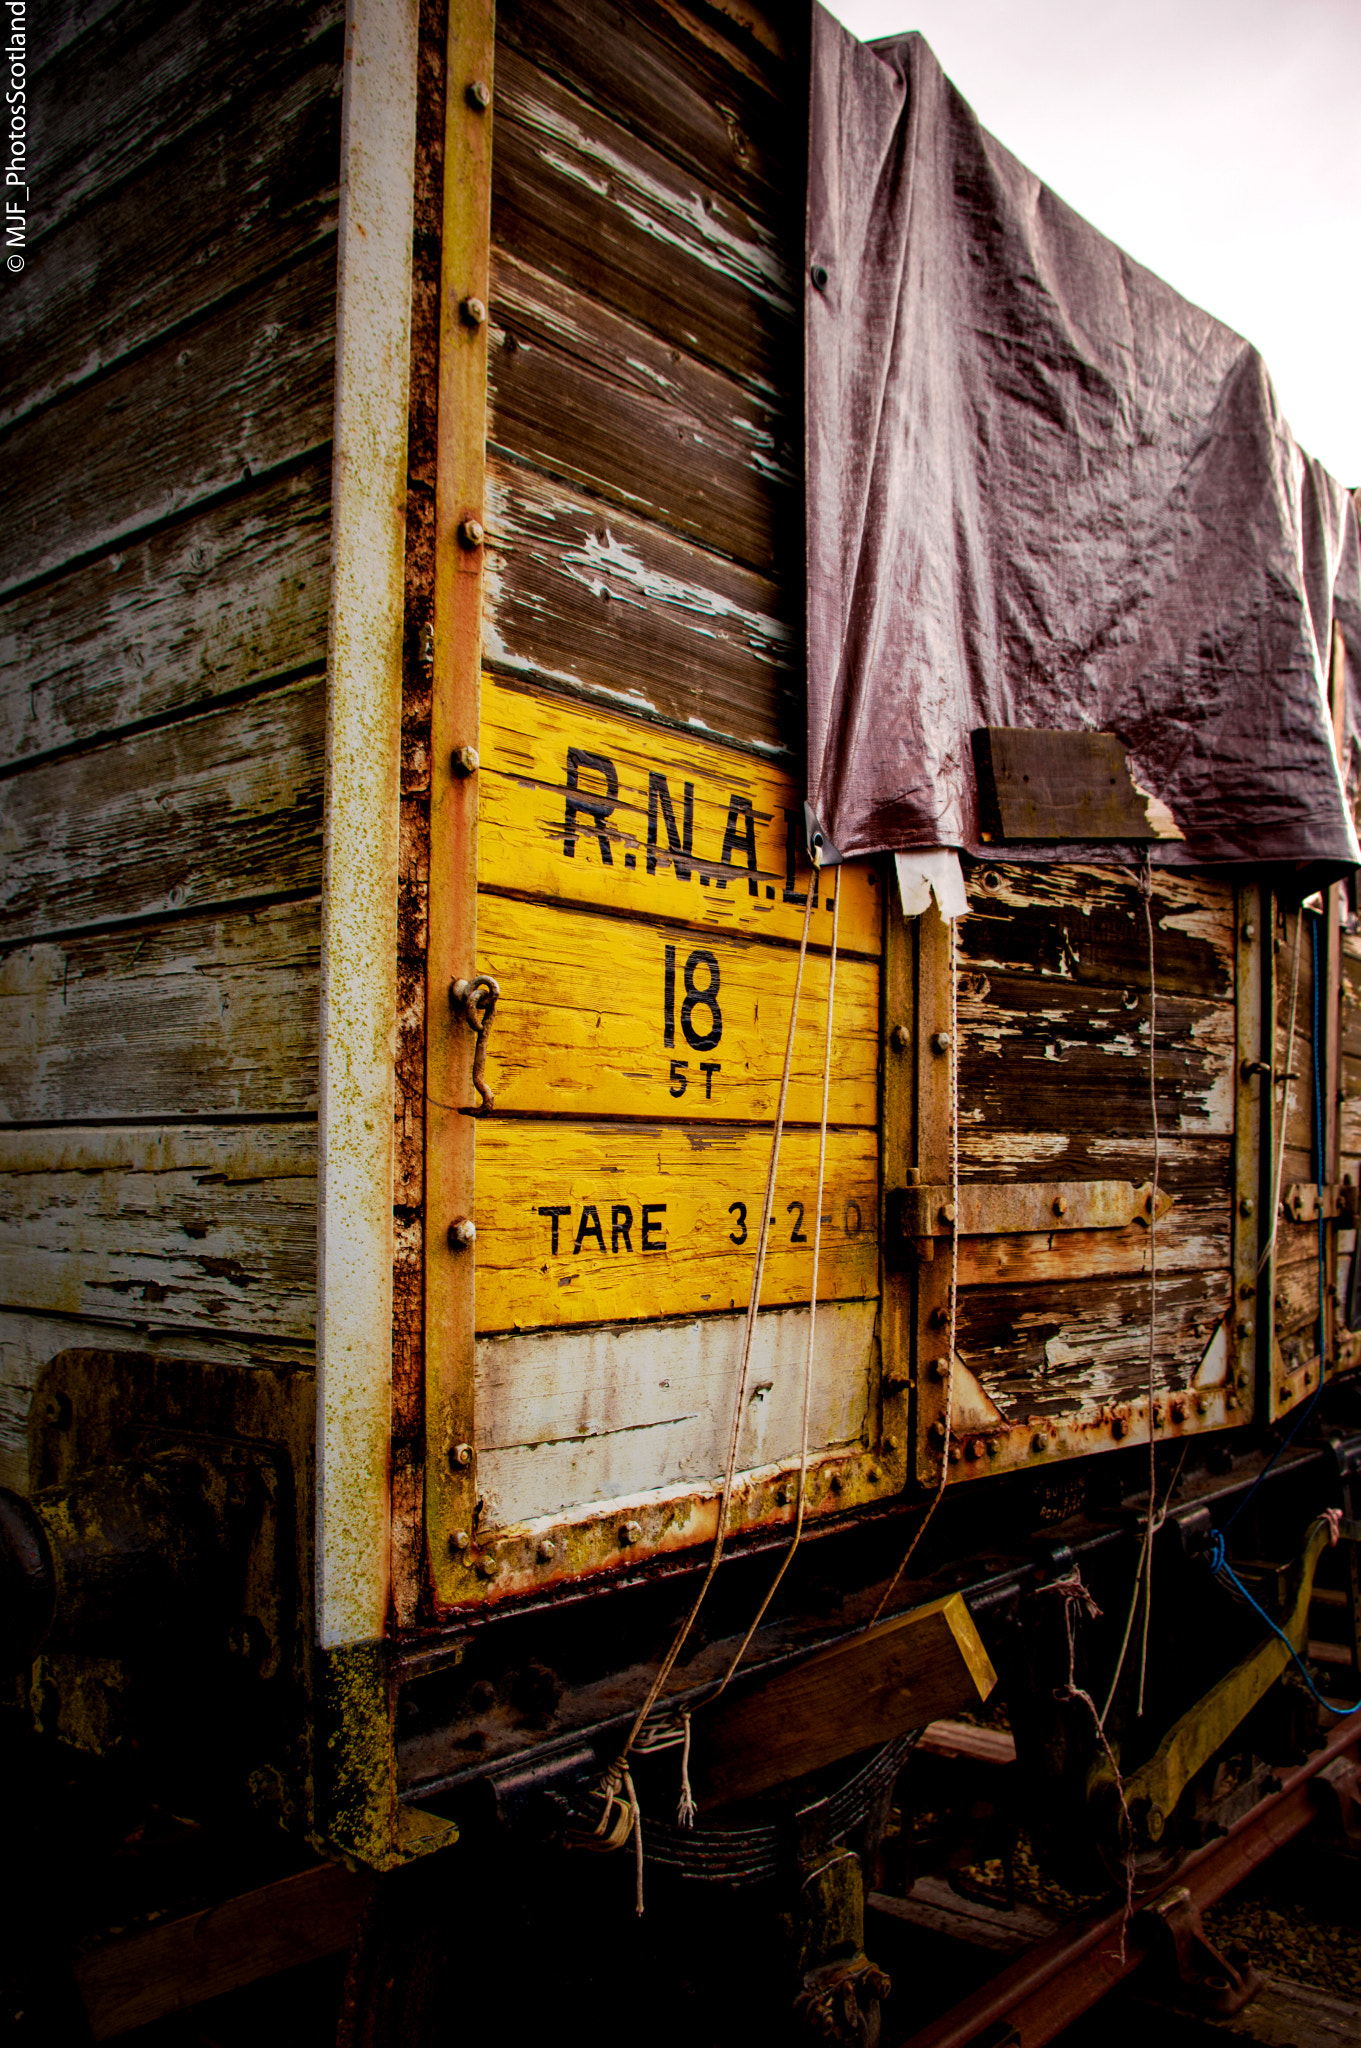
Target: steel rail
(1045,1990)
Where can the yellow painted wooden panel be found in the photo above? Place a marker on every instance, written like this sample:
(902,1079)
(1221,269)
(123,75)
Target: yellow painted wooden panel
(647,1217)
(576,803)
(601,1014)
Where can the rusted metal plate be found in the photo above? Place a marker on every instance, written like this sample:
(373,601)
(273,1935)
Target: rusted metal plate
(995,1211)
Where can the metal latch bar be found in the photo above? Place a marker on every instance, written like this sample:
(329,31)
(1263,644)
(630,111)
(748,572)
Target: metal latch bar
(1011,1208)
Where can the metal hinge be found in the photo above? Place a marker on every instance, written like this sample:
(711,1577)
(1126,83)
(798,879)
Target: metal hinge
(1011,1208)
(1303,1201)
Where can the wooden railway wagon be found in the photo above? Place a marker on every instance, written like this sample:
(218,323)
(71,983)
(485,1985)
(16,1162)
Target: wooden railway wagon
(405,886)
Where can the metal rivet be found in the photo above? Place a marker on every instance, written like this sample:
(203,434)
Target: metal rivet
(459,1542)
(835,1483)
(427,654)
(1117,1427)
(478,95)
(818,273)
(470,534)
(898,1037)
(974,1448)
(890,1443)
(1231,1399)
(940,1041)
(1154,1823)
(460,1457)
(461,1234)
(547,1550)
(938,1431)
(938,1368)
(489,1566)
(947,1212)
(1060,1205)
(1202,1405)
(992,1447)
(1246,1327)
(472,312)
(1038,1444)
(954,1454)
(57,1411)
(465,761)
(1245,1206)
(938,1319)
(782,1496)
(630,1532)
(872,1474)
(1249,931)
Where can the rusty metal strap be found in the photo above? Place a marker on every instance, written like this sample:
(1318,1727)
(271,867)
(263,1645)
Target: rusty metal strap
(1003,1209)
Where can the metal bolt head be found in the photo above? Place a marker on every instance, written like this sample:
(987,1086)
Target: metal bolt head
(57,1411)
(1038,1444)
(938,1431)
(472,312)
(1246,1327)
(940,1041)
(464,761)
(1246,1205)
(1117,1427)
(1060,1205)
(478,95)
(470,534)
(546,1550)
(461,1234)
(947,1212)
(1249,931)
(872,1474)
(898,1037)
(488,1565)
(890,1444)
(938,1319)
(630,1533)
(458,1542)
(460,1457)
(1154,1823)
(974,1448)
(938,1368)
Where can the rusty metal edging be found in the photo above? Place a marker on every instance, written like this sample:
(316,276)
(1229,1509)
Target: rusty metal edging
(1252,1125)
(1062,1978)
(359,886)
(451,1470)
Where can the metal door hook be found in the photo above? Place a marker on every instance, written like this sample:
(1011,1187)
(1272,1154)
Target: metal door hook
(475,1002)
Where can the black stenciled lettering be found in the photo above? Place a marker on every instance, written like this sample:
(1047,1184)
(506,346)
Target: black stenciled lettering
(796,1235)
(680,1080)
(790,893)
(669,997)
(709,1068)
(854,1220)
(553,1215)
(659,804)
(739,1210)
(589,1226)
(652,1243)
(621,1223)
(739,835)
(583,802)
(701,999)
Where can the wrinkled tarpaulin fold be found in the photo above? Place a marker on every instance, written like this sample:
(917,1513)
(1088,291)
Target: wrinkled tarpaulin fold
(1043,490)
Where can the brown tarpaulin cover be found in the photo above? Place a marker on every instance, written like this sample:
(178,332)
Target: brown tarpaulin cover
(1043,490)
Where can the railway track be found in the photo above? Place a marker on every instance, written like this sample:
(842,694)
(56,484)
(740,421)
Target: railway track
(1158,1948)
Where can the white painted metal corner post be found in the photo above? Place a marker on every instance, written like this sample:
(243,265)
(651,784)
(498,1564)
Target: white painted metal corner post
(359,899)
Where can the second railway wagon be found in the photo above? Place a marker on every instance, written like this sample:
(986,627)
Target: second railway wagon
(408,891)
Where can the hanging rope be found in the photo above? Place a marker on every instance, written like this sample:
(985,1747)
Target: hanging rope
(788,1557)
(617,1776)
(1077,1599)
(922,1526)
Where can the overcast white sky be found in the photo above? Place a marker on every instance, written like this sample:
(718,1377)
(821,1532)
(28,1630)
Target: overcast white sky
(1218,141)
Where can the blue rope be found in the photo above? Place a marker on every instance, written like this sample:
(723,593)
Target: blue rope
(1307,1410)
(1222,1569)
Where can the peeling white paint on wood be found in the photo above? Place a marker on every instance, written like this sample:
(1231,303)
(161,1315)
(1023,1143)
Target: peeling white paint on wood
(569,1419)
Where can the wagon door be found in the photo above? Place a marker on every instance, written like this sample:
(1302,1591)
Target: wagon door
(1055,1226)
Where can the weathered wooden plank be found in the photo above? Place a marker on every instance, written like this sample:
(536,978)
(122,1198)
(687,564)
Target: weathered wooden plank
(584,594)
(212,1228)
(249,388)
(745,874)
(569,1417)
(1059,921)
(900,1674)
(576,195)
(213,809)
(661,1220)
(149,1975)
(141,75)
(211,1017)
(1079,1343)
(229,201)
(601,402)
(636,1019)
(1190,1239)
(1042,784)
(1191,1163)
(1044,1057)
(679,83)
(28,1342)
(216,602)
